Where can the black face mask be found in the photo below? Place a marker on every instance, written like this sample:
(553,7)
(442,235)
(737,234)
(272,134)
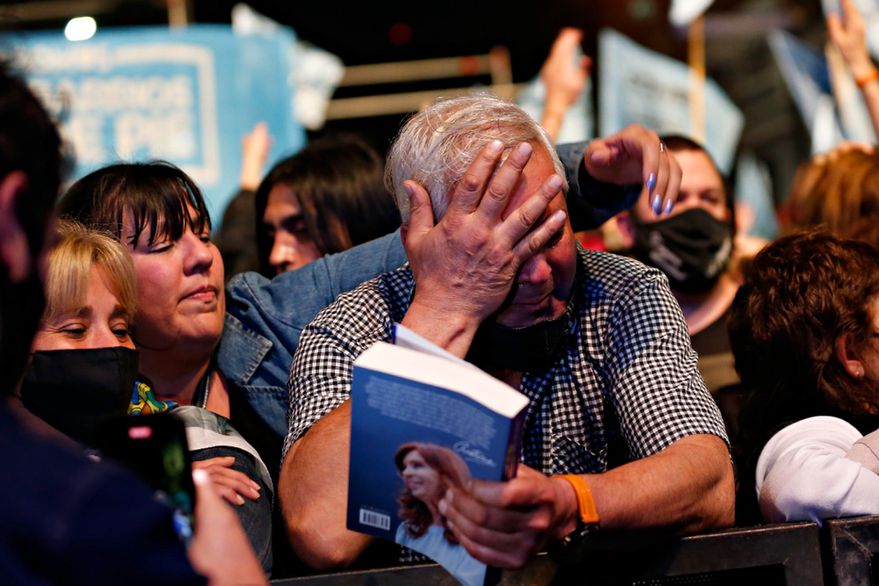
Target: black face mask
(531,349)
(692,249)
(74,391)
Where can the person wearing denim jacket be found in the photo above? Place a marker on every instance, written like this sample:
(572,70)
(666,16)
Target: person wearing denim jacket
(264,317)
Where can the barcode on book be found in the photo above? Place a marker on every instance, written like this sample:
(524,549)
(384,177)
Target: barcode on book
(373,519)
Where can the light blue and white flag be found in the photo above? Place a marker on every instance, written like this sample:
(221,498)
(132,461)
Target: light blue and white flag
(641,86)
(315,73)
(807,77)
(186,96)
(753,191)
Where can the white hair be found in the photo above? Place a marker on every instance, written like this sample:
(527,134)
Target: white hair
(436,146)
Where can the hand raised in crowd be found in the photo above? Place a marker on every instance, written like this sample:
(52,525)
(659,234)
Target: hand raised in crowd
(464,265)
(255,148)
(565,78)
(847,34)
(231,484)
(220,549)
(636,155)
(504,523)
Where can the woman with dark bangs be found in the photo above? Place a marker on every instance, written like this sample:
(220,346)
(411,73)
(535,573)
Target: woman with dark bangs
(428,470)
(160,215)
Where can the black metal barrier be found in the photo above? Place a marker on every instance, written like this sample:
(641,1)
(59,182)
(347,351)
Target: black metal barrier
(852,545)
(788,553)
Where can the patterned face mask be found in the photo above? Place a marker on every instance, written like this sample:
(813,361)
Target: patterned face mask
(691,248)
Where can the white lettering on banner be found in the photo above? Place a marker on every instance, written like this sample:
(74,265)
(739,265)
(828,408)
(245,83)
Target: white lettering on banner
(163,136)
(48,59)
(121,93)
(109,112)
(84,132)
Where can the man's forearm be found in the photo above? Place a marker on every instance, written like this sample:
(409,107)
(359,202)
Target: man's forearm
(688,487)
(313,492)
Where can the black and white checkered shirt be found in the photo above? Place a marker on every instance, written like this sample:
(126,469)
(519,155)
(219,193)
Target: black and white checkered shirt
(628,373)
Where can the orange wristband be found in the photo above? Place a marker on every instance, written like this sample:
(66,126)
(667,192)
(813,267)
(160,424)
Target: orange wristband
(585,502)
(863,80)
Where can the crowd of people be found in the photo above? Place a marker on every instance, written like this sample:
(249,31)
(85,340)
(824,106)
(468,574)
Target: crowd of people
(689,381)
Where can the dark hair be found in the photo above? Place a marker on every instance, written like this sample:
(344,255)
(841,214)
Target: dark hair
(156,194)
(679,142)
(29,143)
(452,471)
(800,295)
(340,187)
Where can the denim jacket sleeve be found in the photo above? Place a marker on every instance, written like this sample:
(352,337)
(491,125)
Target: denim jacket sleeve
(591,202)
(264,318)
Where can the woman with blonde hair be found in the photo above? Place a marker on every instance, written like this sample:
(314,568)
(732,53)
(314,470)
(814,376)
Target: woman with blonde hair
(837,191)
(83,365)
(85,369)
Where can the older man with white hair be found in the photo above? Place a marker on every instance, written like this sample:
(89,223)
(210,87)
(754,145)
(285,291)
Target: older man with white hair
(621,430)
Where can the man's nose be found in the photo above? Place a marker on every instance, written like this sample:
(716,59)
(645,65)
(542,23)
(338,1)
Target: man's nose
(286,253)
(536,270)
(105,338)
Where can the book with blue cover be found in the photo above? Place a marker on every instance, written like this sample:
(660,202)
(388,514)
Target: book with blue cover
(423,420)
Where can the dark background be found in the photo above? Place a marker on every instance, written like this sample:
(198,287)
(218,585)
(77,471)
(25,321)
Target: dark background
(737,55)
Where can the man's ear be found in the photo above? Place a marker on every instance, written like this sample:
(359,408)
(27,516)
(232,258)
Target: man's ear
(845,353)
(625,229)
(15,255)
(404,232)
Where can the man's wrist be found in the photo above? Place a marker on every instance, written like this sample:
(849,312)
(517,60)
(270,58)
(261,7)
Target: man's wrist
(572,544)
(453,331)
(567,509)
(866,77)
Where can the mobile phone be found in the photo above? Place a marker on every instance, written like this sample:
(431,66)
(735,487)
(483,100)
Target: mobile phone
(155,447)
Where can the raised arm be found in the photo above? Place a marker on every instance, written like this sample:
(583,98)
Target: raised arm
(564,76)
(609,174)
(848,35)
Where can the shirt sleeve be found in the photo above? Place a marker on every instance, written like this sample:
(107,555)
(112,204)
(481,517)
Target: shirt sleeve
(320,377)
(294,298)
(278,309)
(803,474)
(656,389)
(865,452)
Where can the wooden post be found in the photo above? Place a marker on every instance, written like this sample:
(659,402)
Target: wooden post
(178,13)
(696,58)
